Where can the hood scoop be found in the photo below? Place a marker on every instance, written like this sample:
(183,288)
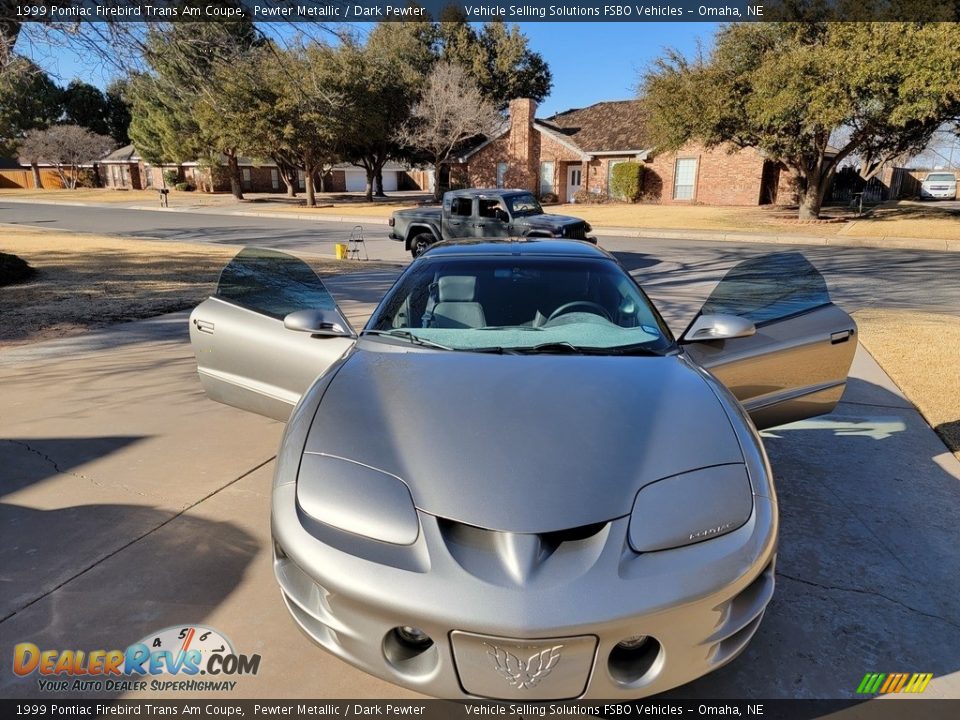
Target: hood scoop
(516,559)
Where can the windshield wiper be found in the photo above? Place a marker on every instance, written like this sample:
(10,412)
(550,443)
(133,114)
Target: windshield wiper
(552,347)
(570,348)
(407,335)
(633,350)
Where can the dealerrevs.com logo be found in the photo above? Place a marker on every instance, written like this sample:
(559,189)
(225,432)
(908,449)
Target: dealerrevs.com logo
(184,651)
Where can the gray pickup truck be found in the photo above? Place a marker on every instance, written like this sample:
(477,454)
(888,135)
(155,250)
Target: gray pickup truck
(483,214)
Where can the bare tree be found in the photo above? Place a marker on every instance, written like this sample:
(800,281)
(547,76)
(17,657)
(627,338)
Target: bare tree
(450,110)
(66,147)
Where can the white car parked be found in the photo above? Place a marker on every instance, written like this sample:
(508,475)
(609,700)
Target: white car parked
(939,186)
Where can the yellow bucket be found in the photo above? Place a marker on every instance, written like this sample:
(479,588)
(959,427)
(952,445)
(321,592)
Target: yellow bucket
(341,251)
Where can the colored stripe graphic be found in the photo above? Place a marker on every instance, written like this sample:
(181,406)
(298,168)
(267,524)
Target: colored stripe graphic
(884,683)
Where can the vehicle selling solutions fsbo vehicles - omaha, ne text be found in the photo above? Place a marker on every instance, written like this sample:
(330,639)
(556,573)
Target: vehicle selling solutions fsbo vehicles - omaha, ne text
(515,483)
(483,214)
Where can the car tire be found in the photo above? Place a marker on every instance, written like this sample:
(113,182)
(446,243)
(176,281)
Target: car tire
(419,243)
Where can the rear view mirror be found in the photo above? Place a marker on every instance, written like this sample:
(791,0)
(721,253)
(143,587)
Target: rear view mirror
(719,327)
(316,322)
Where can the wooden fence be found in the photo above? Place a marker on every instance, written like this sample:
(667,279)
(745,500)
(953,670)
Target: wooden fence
(49,179)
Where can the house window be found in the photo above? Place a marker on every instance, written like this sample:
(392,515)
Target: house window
(300,179)
(546,178)
(246,178)
(275,179)
(501,174)
(684,178)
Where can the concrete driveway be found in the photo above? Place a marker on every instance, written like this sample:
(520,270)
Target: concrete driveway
(130,503)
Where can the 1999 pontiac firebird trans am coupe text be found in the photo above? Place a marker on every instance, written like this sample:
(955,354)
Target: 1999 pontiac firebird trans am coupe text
(515,483)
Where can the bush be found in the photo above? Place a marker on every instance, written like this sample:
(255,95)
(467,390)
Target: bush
(170,177)
(87,179)
(585,197)
(549,198)
(14,269)
(184,187)
(626,181)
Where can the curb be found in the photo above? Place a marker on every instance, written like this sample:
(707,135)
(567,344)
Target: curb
(883,242)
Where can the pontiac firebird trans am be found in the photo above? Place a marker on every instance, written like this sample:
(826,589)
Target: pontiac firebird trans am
(515,483)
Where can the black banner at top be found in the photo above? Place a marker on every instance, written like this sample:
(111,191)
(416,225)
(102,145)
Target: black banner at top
(352,11)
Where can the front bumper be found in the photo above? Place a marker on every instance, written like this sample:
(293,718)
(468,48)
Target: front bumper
(938,194)
(701,604)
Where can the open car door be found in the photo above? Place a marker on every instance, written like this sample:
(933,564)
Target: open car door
(268,332)
(770,333)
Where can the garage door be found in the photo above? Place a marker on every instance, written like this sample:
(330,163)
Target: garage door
(356,181)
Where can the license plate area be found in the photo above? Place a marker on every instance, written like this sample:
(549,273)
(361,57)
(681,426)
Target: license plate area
(518,669)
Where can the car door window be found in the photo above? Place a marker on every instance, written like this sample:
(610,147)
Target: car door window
(272,283)
(462,207)
(769,288)
(488,209)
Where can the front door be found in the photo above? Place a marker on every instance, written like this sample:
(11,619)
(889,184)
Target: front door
(491,220)
(795,365)
(574,179)
(246,356)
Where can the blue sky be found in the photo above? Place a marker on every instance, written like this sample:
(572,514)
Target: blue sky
(590,61)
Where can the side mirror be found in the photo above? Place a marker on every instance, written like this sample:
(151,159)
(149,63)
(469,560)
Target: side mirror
(502,215)
(719,327)
(316,322)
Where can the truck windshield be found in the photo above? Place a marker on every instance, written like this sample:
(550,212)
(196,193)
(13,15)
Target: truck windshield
(527,204)
(521,305)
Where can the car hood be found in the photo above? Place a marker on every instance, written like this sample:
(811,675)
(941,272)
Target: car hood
(531,443)
(548,221)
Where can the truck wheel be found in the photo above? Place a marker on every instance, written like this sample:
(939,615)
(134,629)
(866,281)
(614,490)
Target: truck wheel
(419,243)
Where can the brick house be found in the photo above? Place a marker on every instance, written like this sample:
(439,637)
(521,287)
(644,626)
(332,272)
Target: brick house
(577,150)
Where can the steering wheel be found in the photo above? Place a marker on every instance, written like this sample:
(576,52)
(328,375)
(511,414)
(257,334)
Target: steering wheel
(592,307)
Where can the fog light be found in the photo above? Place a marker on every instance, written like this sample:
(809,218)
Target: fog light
(414,636)
(632,642)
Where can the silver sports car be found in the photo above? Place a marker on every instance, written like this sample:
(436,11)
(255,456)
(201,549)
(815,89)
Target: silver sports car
(515,483)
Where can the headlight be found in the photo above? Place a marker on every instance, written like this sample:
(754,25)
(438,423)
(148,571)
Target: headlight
(357,499)
(688,508)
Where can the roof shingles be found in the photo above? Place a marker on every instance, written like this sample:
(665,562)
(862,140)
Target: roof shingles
(617,125)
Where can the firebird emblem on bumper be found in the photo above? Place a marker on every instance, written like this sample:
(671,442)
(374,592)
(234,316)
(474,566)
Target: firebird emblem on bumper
(524,674)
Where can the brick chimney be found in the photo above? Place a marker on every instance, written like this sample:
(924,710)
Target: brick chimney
(523,146)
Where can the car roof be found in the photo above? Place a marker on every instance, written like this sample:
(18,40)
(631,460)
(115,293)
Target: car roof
(487,247)
(489,192)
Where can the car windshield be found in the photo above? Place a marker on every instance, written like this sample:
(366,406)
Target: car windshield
(941,177)
(525,204)
(521,305)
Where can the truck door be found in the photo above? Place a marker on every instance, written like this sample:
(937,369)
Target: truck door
(492,220)
(458,218)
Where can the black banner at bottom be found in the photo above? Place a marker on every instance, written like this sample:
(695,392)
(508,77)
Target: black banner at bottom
(867,709)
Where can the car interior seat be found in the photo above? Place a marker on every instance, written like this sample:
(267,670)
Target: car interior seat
(457,305)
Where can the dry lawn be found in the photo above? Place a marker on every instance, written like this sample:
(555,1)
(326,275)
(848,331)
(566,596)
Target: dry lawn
(88,281)
(921,352)
(909,219)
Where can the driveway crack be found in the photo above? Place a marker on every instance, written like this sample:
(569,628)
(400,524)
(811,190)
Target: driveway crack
(50,461)
(869,592)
